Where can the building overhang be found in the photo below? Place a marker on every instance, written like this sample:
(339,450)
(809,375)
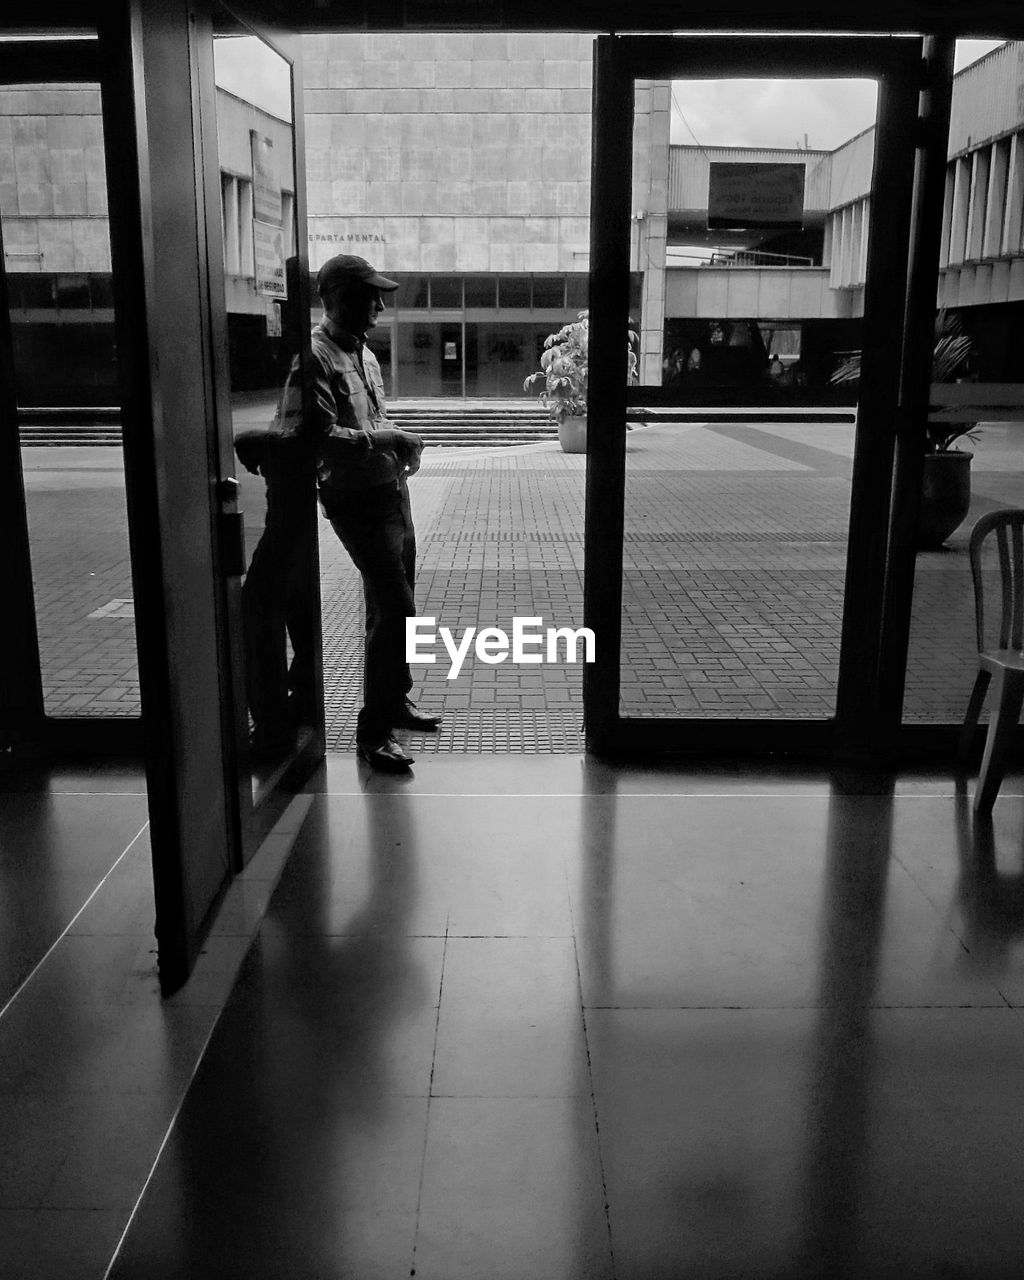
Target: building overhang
(690,227)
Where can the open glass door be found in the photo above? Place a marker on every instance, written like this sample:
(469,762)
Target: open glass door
(255,209)
(737,536)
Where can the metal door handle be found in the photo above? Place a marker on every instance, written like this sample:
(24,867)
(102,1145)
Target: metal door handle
(228,490)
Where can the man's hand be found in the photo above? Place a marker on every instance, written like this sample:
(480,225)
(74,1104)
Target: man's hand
(251,448)
(412,460)
(406,445)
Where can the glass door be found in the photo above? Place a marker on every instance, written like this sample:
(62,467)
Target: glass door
(738,487)
(70,668)
(260,305)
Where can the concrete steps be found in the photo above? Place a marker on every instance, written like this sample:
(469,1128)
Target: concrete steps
(75,425)
(448,423)
(453,424)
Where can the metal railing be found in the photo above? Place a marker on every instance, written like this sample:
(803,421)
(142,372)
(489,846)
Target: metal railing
(758,258)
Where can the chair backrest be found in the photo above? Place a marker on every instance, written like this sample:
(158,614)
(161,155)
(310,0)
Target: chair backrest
(1007,526)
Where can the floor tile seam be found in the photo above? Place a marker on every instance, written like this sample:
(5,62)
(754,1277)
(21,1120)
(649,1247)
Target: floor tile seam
(68,927)
(616,795)
(650,795)
(97,1092)
(592,1092)
(388,937)
(101,795)
(797,1008)
(172,1122)
(429,1099)
(505,1096)
(218,1007)
(947,917)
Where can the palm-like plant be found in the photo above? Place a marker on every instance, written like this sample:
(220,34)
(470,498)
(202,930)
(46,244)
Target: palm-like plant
(562,380)
(953,350)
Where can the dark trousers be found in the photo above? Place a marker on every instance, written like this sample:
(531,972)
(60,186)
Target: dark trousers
(375,527)
(279,603)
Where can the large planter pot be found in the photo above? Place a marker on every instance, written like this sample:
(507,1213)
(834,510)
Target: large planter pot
(945,496)
(572,434)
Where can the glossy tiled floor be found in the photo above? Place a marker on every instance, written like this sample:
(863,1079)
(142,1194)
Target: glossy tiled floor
(548,1019)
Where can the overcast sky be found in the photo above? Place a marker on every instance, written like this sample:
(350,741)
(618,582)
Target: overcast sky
(249,69)
(783,113)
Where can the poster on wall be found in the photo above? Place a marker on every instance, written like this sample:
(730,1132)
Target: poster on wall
(763,196)
(269,256)
(266,188)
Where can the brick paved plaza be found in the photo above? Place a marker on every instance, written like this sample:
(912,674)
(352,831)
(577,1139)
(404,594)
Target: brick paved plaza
(733,582)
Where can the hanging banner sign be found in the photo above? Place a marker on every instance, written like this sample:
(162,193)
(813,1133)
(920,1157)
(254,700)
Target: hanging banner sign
(763,196)
(268,253)
(266,189)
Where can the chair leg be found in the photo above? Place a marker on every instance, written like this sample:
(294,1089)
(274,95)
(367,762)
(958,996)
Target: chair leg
(1009,691)
(974,706)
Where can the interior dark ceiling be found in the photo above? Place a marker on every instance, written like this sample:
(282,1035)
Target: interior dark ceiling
(982,18)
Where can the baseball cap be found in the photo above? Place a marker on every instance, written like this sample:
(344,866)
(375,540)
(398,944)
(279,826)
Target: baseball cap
(346,268)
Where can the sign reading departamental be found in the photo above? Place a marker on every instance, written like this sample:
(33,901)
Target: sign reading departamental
(767,196)
(268,253)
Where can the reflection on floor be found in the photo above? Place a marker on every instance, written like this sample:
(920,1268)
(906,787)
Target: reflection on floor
(551,1018)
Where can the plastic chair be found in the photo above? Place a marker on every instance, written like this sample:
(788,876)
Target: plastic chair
(1005,662)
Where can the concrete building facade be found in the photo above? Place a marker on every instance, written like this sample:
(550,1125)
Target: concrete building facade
(982,253)
(460,164)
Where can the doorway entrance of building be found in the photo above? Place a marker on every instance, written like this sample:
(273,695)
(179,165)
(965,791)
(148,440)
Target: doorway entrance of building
(717,579)
(226,210)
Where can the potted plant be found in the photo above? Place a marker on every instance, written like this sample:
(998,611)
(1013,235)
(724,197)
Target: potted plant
(946,481)
(562,380)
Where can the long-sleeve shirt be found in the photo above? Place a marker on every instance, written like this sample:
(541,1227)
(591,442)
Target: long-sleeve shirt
(346,403)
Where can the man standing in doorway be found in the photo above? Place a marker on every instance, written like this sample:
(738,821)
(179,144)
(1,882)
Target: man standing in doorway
(363,470)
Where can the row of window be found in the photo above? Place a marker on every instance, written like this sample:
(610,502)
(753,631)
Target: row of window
(47,291)
(236,209)
(491,292)
(983,211)
(567,292)
(39,291)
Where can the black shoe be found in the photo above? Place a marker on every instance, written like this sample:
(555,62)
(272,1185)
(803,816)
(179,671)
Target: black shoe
(410,718)
(388,757)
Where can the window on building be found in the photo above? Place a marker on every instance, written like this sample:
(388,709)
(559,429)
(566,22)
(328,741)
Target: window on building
(72,293)
(549,291)
(636,291)
(288,221)
(577,291)
(247,252)
(412,293)
(514,292)
(229,222)
(236,223)
(30,291)
(445,291)
(481,291)
(101,292)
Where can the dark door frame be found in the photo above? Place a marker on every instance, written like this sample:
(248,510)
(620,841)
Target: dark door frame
(23,718)
(867,706)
